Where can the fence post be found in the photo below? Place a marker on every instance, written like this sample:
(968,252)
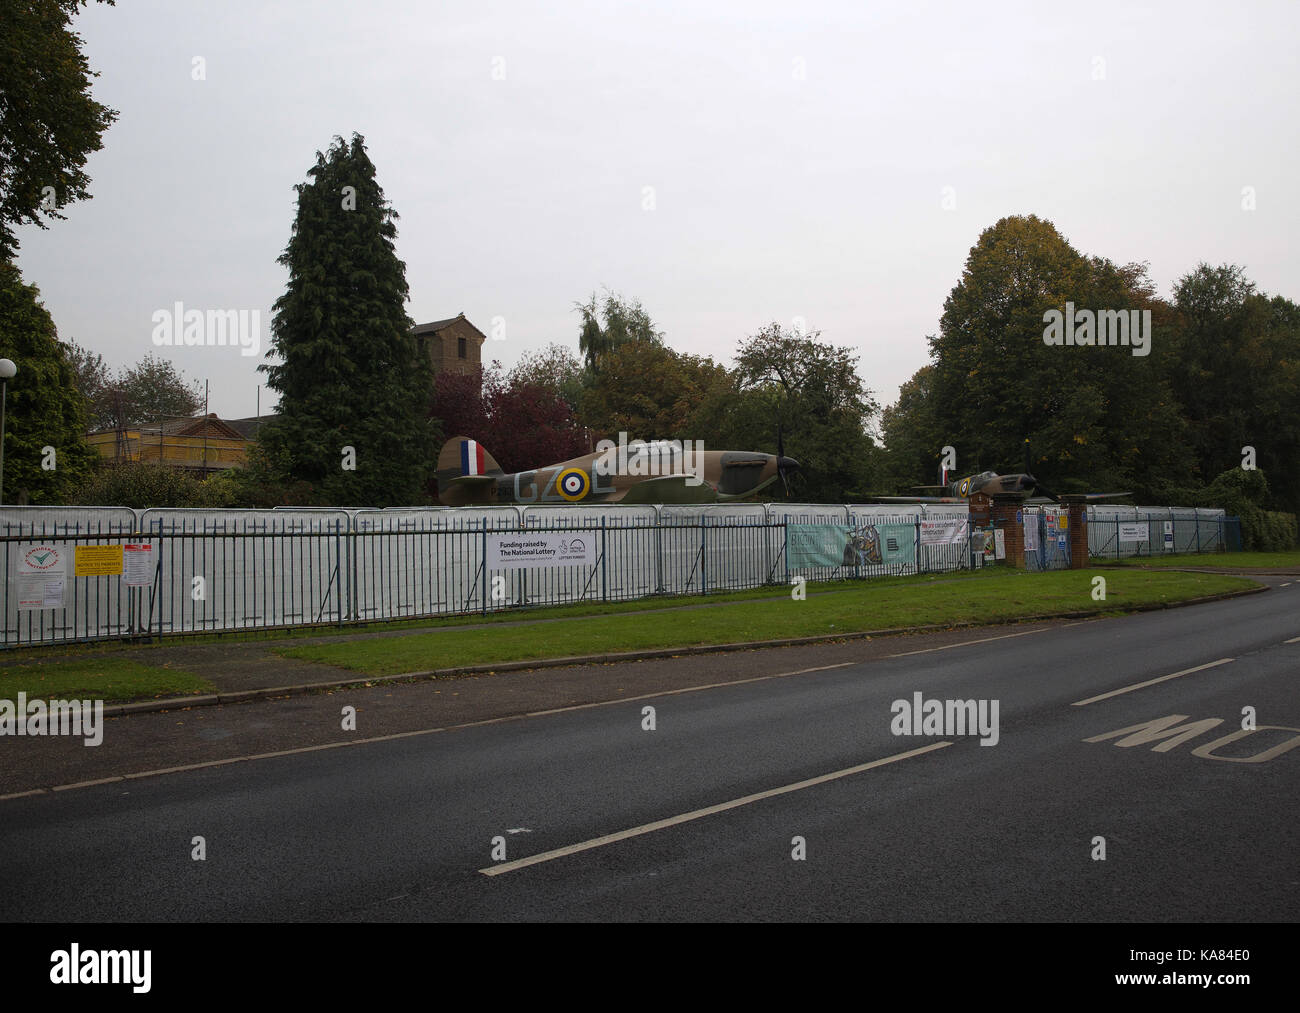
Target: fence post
(704,562)
(604,583)
(485,567)
(342,567)
(1198,532)
(1117,536)
(785,549)
(919,567)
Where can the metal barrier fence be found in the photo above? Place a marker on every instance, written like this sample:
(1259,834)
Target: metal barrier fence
(1124,532)
(209,575)
(211,571)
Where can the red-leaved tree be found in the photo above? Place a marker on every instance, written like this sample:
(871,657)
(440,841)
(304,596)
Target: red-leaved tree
(523,425)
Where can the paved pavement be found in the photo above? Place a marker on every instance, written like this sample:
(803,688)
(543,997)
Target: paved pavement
(399,820)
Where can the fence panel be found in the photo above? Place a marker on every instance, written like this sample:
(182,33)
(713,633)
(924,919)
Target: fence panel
(92,608)
(245,569)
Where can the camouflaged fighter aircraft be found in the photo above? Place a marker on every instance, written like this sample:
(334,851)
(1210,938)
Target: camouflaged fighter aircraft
(657,472)
(990,483)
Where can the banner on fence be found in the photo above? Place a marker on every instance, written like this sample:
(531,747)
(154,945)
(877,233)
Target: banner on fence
(949,531)
(1133,532)
(541,548)
(1031,532)
(823,545)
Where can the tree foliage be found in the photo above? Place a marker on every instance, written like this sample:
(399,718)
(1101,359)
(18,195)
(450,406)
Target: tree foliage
(522,422)
(623,322)
(556,368)
(49,124)
(650,392)
(1096,417)
(810,390)
(43,406)
(352,373)
(1236,373)
(151,390)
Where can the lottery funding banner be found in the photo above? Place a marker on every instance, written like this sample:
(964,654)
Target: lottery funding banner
(534,549)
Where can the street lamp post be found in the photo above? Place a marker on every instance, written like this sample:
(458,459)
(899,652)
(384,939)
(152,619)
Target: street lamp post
(7,372)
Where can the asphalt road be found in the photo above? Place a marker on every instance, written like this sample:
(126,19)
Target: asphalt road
(948,829)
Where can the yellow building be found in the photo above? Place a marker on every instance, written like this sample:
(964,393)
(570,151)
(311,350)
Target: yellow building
(204,444)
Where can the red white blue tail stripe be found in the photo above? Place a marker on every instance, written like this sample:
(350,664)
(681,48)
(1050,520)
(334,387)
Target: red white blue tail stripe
(471,458)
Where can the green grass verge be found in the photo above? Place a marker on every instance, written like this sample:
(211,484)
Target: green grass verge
(995,597)
(531,613)
(108,679)
(1249,560)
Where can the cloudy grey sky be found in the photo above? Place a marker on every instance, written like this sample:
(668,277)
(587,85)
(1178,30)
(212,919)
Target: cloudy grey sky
(798,154)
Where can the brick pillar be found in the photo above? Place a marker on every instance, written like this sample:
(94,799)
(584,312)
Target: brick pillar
(1076,508)
(1005,513)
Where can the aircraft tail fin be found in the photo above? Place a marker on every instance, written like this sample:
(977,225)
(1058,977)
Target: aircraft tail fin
(462,457)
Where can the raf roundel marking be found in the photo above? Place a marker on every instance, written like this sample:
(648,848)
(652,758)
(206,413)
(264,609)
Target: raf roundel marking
(572,484)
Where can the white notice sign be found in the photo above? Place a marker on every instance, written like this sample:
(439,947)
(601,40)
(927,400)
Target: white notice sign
(40,592)
(952,531)
(1031,532)
(39,573)
(137,565)
(1000,543)
(541,548)
(1133,532)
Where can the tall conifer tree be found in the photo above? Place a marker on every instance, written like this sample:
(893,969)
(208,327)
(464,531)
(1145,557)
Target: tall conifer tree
(352,373)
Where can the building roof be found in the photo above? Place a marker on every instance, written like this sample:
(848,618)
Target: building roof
(438,325)
(249,427)
(196,426)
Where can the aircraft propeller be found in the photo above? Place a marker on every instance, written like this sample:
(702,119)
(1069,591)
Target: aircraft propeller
(781,465)
(1038,486)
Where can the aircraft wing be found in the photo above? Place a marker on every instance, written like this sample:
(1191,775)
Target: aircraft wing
(916,499)
(468,490)
(670,489)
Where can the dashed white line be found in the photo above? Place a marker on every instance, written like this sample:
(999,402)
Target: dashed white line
(672,821)
(1151,682)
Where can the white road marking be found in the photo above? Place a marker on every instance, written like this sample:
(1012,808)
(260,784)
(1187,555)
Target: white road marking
(672,821)
(23,794)
(1293,640)
(1151,682)
(967,643)
(423,731)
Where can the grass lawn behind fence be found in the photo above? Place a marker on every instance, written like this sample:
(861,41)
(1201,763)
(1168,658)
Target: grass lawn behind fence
(1241,560)
(992,598)
(108,679)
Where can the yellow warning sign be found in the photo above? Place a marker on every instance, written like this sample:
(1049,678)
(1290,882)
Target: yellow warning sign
(1064,521)
(99,560)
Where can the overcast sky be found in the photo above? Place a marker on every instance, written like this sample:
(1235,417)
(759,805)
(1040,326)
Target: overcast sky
(798,154)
